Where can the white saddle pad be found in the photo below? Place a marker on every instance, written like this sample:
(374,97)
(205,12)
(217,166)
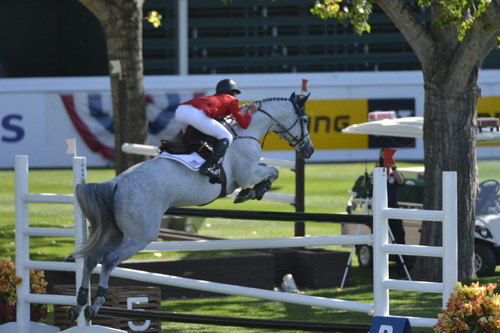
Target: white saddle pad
(192,161)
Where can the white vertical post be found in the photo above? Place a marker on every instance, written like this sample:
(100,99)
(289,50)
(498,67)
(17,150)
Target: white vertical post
(450,239)
(79,176)
(183,37)
(380,231)
(22,244)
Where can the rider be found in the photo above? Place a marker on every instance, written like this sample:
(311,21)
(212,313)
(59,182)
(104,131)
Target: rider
(202,112)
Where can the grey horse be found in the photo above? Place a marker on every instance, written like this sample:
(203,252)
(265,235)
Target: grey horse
(125,213)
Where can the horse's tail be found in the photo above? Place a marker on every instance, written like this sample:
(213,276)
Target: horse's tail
(96,203)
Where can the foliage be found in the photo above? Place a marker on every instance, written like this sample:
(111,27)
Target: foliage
(461,13)
(154,18)
(8,283)
(356,12)
(471,309)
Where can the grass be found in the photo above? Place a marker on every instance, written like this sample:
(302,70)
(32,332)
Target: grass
(326,192)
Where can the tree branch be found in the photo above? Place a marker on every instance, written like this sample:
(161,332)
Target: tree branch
(410,26)
(480,41)
(100,8)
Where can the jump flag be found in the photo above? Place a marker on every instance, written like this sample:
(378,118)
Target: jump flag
(390,325)
(388,156)
(71,146)
(304,85)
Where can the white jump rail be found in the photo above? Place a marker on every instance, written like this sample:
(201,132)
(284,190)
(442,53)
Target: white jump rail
(381,283)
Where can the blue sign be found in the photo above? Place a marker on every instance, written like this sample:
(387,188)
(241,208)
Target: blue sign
(11,129)
(390,325)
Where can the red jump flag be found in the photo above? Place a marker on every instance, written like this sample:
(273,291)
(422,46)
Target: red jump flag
(304,85)
(388,156)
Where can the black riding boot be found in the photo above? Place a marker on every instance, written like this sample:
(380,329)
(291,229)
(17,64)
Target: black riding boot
(209,168)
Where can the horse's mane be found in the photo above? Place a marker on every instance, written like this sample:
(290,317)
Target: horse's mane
(265,100)
(230,121)
(273,99)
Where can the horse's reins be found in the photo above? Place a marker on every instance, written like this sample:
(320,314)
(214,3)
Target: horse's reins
(297,142)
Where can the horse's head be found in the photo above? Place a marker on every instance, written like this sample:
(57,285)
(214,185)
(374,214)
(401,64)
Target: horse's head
(291,124)
(301,142)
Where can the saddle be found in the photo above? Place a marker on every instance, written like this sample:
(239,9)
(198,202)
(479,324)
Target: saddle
(189,141)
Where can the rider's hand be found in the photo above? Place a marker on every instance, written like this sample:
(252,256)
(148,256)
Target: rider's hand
(253,108)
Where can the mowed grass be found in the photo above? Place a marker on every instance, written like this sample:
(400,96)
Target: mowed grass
(326,192)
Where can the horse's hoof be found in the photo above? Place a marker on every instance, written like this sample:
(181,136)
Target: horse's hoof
(245,195)
(89,313)
(72,314)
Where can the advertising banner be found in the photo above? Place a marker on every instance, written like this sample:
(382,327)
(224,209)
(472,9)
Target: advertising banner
(37,115)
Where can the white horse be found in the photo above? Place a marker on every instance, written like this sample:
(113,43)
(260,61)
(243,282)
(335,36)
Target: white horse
(125,213)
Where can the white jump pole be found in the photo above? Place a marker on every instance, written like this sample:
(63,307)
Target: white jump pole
(450,234)
(22,245)
(81,229)
(380,231)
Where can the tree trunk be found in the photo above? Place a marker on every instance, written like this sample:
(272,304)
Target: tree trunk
(451,69)
(450,145)
(122,24)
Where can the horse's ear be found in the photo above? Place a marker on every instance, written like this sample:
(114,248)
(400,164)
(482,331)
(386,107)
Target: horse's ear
(303,100)
(292,96)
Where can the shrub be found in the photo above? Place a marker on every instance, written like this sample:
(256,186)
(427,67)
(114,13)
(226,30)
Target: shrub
(471,309)
(8,296)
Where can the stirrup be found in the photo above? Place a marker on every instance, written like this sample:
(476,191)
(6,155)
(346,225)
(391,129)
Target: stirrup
(214,176)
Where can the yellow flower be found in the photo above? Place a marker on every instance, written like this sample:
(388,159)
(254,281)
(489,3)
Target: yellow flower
(154,18)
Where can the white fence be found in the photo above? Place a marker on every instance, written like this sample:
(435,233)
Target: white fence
(381,282)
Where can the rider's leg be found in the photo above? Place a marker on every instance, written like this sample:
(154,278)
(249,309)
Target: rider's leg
(209,168)
(187,114)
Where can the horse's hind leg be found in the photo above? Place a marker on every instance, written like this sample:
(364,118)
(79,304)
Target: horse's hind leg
(83,293)
(128,247)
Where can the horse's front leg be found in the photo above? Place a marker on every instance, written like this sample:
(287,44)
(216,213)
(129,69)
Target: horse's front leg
(263,176)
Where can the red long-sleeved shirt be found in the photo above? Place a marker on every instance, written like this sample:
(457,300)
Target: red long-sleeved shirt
(221,105)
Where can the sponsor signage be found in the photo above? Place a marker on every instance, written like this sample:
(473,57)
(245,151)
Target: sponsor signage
(36,117)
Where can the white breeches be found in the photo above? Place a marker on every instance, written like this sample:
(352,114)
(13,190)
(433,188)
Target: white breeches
(189,115)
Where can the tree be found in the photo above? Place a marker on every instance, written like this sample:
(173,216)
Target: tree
(451,49)
(122,24)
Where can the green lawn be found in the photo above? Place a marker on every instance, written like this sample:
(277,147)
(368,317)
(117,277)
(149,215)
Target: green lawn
(326,192)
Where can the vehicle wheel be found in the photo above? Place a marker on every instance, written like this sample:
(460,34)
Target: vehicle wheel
(365,256)
(484,260)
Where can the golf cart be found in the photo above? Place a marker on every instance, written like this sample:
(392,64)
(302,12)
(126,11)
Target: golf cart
(487,226)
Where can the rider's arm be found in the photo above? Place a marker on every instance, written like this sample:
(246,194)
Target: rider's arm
(242,119)
(398,176)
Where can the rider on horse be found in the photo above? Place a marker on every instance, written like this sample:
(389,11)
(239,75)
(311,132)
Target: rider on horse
(202,112)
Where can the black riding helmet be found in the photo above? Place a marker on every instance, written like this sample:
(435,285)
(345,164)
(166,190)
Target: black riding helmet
(227,86)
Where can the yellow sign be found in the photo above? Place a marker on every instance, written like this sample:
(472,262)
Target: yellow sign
(488,107)
(327,118)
